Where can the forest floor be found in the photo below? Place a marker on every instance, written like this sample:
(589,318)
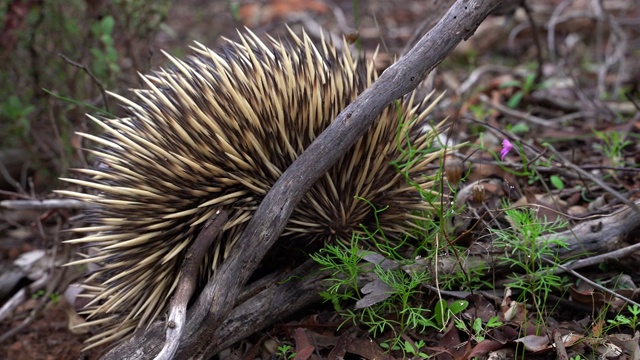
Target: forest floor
(548,104)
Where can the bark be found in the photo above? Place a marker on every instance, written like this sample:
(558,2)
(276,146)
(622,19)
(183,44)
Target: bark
(283,296)
(219,297)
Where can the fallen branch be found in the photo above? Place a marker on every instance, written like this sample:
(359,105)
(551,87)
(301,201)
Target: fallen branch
(597,236)
(281,299)
(266,225)
(188,282)
(458,24)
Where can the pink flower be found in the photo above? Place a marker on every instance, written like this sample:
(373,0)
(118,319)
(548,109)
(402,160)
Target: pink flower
(506,147)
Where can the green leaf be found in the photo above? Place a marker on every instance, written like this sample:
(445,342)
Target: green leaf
(458,306)
(514,101)
(511,83)
(477,325)
(441,313)
(494,322)
(557,182)
(519,128)
(107,24)
(529,83)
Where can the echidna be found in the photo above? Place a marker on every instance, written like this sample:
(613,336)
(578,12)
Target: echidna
(217,130)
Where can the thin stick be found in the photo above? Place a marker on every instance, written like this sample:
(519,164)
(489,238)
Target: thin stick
(187,285)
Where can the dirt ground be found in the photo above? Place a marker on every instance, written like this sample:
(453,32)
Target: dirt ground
(392,25)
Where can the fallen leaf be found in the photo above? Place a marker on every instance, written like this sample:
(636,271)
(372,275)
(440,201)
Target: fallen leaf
(534,343)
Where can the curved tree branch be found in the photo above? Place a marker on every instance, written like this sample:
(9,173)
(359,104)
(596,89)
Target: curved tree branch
(458,24)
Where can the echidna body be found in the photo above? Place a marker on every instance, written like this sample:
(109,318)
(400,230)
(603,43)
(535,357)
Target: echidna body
(217,131)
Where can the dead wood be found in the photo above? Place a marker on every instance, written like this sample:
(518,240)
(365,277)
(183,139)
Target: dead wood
(220,295)
(300,288)
(600,235)
(188,282)
(279,298)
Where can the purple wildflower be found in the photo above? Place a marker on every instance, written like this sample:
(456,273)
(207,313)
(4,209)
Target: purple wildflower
(506,147)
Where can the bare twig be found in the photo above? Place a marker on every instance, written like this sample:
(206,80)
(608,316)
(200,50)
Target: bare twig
(536,41)
(431,18)
(477,73)
(277,300)
(565,162)
(591,282)
(18,299)
(561,351)
(515,113)
(95,79)
(551,28)
(52,281)
(599,259)
(187,285)
(46,204)
(6,175)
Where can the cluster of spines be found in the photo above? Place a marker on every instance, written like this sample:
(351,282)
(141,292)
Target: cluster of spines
(217,131)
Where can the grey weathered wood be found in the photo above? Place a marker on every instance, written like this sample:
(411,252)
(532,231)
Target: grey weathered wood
(279,300)
(177,313)
(458,24)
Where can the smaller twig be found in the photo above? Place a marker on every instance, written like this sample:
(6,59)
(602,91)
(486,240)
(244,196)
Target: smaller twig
(617,42)
(590,282)
(551,28)
(475,76)
(565,162)
(553,170)
(633,101)
(598,259)
(13,194)
(515,113)
(561,351)
(18,299)
(47,204)
(62,160)
(50,281)
(38,220)
(8,178)
(547,169)
(436,11)
(92,76)
(187,285)
(536,40)
(535,151)
(586,105)
(572,116)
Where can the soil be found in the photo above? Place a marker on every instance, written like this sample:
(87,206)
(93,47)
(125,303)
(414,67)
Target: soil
(390,24)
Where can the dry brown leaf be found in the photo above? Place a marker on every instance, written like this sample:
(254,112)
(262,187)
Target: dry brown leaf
(534,343)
